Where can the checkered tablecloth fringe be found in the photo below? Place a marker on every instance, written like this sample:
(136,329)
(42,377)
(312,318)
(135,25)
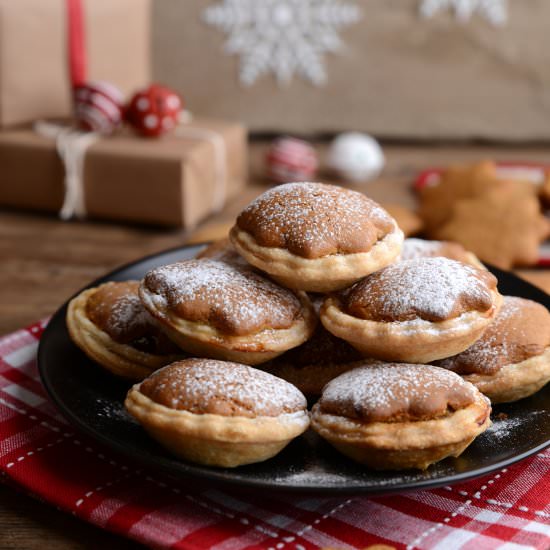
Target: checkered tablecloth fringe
(44,455)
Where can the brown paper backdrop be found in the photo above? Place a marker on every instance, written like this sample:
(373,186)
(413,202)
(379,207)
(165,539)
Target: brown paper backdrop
(399,75)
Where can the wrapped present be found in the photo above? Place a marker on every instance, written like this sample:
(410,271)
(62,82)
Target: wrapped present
(173,181)
(47,46)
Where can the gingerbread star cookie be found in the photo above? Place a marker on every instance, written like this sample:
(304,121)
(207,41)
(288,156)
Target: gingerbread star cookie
(503,227)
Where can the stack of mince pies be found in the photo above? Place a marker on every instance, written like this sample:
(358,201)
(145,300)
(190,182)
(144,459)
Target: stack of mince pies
(402,346)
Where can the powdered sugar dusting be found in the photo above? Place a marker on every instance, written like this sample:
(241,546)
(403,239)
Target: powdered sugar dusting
(314,219)
(204,385)
(506,428)
(116,308)
(520,330)
(231,297)
(390,391)
(128,311)
(421,248)
(434,289)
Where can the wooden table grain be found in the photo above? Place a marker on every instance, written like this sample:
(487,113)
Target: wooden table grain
(44,261)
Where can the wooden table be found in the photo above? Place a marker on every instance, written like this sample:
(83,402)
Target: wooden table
(44,261)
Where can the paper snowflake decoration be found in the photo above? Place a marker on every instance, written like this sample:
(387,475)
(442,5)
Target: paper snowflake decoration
(283,37)
(494,11)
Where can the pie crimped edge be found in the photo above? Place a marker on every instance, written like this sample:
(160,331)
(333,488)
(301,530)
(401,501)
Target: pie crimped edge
(401,445)
(213,439)
(415,341)
(120,359)
(324,274)
(515,380)
(251,349)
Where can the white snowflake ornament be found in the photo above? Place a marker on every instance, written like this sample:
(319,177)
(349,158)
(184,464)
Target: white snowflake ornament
(494,11)
(283,37)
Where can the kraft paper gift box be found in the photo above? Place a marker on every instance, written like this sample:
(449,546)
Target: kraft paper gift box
(35,77)
(171,181)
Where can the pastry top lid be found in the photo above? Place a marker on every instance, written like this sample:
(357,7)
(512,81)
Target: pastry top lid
(116,309)
(313,220)
(202,386)
(421,248)
(396,392)
(520,330)
(233,299)
(223,251)
(433,289)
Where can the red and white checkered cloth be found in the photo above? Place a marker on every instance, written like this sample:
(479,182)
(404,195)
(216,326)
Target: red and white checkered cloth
(41,453)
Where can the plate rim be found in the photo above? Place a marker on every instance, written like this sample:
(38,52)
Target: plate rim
(206,475)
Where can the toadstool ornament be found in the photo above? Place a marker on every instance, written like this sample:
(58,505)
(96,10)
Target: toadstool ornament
(98,106)
(290,159)
(356,157)
(154,111)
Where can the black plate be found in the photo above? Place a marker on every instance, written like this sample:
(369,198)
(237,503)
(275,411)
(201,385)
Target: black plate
(92,400)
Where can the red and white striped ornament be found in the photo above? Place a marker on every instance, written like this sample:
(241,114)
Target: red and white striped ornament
(290,159)
(98,106)
(154,110)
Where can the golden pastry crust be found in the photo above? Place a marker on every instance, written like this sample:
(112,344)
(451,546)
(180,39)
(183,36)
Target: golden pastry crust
(310,366)
(398,440)
(124,360)
(403,445)
(309,379)
(227,438)
(515,381)
(319,274)
(512,358)
(235,314)
(316,237)
(223,251)
(456,313)
(421,248)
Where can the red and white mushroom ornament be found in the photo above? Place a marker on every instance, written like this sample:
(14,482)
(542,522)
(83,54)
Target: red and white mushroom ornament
(154,110)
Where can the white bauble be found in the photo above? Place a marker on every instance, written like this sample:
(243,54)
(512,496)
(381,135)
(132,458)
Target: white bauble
(356,157)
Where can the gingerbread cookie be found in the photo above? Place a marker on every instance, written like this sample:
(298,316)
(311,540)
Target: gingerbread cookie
(503,228)
(456,182)
(408,221)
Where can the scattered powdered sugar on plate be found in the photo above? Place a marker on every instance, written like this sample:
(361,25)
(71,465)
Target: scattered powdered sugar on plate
(314,476)
(505,428)
(113,410)
(434,289)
